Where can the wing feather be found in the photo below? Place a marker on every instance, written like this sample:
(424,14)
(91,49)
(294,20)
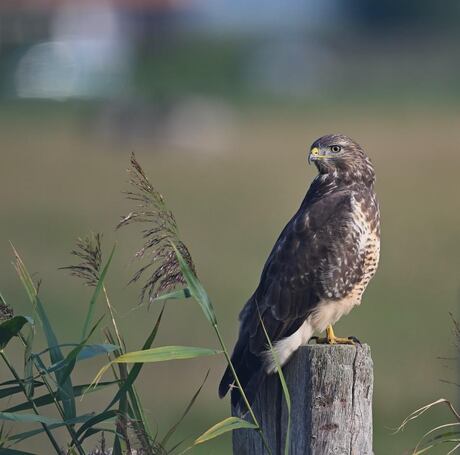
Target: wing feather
(292,281)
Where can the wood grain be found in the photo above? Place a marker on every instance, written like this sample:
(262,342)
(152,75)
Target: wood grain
(331,395)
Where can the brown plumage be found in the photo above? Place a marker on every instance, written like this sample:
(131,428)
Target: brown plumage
(319,267)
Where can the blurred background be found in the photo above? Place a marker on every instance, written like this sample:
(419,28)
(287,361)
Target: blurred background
(220,101)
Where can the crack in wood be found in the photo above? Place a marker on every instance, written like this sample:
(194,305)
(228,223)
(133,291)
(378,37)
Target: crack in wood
(331,399)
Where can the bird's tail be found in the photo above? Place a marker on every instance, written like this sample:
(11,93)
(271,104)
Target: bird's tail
(226,382)
(251,375)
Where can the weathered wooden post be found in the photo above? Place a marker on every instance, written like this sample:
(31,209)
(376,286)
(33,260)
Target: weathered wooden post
(331,414)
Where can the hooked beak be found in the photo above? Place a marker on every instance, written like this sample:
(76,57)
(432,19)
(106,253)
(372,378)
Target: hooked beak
(313,155)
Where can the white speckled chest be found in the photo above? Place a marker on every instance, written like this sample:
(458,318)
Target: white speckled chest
(367,225)
(365,232)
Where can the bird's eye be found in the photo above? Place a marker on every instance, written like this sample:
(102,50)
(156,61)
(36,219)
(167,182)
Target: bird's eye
(336,148)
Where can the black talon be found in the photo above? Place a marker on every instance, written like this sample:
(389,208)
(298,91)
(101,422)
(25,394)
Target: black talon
(352,338)
(313,338)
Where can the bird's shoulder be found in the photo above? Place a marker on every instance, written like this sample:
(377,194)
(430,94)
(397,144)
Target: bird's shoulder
(319,220)
(294,261)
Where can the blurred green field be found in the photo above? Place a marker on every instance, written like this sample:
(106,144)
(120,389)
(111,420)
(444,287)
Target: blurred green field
(59,180)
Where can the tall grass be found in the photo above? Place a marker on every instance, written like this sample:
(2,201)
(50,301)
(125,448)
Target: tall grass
(169,273)
(445,435)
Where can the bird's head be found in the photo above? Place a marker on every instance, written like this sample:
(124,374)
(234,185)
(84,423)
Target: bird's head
(339,155)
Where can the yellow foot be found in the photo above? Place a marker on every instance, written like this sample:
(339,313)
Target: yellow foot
(332,339)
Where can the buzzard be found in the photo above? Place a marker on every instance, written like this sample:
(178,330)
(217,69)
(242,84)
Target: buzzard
(318,269)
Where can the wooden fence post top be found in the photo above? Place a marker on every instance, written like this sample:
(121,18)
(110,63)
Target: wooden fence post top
(331,404)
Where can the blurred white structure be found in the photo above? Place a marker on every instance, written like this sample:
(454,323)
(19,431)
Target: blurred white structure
(257,17)
(89,55)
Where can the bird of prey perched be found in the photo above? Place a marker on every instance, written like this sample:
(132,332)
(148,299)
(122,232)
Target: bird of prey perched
(318,269)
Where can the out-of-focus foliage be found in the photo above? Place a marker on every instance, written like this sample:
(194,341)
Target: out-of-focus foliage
(220,105)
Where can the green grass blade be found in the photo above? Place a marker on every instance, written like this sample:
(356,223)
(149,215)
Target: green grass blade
(10,391)
(184,414)
(102,417)
(174,295)
(117,449)
(196,288)
(4,451)
(121,441)
(29,363)
(28,418)
(129,407)
(165,353)
(287,396)
(62,345)
(11,328)
(177,445)
(71,358)
(87,352)
(48,398)
(14,381)
(28,434)
(24,277)
(161,354)
(65,392)
(97,291)
(229,424)
(136,368)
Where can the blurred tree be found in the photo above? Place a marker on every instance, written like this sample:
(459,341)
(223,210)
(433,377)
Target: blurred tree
(408,13)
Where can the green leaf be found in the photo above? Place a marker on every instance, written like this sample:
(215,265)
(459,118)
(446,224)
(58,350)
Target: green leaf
(196,288)
(29,363)
(8,391)
(93,350)
(65,392)
(4,451)
(11,328)
(87,352)
(71,358)
(62,345)
(135,370)
(117,445)
(165,353)
(174,295)
(48,398)
(28,434)
(97,290)
(14,381)
(161,354)
(102,417)
(228,424)
(123,407)
(28,418)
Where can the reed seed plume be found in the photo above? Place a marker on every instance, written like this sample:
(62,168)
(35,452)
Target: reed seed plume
(89,251)
(456,330)
(143,444)
(6,312)
(160,234)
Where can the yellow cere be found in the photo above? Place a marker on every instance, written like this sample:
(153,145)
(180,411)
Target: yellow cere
(314,151)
